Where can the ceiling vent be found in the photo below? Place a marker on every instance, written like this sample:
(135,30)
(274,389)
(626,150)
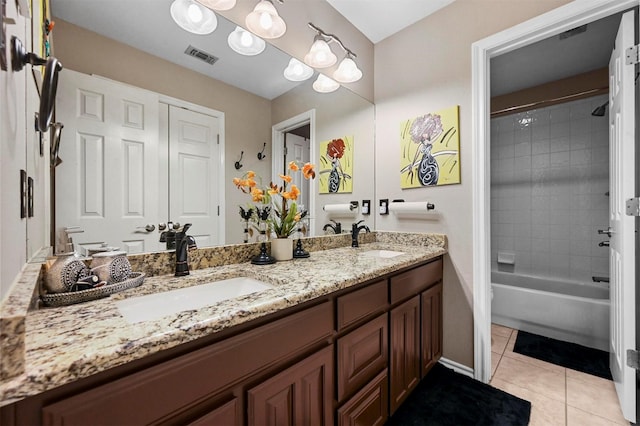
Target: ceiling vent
(573,32)
(201,54)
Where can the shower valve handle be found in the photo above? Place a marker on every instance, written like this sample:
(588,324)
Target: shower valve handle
(607,232)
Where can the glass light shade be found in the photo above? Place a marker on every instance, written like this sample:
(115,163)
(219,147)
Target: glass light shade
(347,71)
(193,17)
(320,54)
(324,84)
(265,22)
(245,43)
(297,71)
(218,4)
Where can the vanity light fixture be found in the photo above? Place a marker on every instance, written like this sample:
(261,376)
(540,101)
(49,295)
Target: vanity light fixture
(321,56)
(348,71)
(218,4)
(265,22)
(245,43)
(193,17)
(324,84)
(297,71)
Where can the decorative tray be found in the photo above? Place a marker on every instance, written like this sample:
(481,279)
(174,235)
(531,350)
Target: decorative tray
(72,297)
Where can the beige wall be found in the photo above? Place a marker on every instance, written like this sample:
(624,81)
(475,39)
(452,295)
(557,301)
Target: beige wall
(247,116)
(424,68)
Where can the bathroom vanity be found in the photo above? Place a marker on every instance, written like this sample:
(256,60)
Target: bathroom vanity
(340,338)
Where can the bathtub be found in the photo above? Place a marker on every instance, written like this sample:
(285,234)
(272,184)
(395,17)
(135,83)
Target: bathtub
(563,310)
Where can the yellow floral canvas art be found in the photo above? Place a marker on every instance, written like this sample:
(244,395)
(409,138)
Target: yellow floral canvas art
(430,149)
(336,166)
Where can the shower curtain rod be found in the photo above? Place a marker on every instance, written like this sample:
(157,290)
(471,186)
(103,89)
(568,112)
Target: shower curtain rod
(552,101)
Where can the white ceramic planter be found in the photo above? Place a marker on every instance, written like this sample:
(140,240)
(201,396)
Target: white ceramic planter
(282,248)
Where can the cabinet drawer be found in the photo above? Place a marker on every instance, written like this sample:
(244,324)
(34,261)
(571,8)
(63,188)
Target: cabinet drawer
(414,281)
(361,355)
(370,406)
(195,375)
(357,305)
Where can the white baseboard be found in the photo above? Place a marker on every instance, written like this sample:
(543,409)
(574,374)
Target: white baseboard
(457,367)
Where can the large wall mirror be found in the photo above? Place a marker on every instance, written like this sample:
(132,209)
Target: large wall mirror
(141,117)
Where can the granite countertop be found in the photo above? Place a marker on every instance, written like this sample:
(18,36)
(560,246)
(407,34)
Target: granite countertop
(68,343)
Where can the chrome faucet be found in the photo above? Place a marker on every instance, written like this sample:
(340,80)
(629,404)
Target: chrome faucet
(337,227)
(355,230)
(184,242)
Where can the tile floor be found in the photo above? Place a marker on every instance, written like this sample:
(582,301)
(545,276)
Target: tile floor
(558,395)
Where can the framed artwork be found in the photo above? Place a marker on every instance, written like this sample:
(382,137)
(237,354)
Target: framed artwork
(336,166)
(430,149)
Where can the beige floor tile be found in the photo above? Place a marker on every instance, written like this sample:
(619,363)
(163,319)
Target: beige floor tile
(599,399)
(495,360)
(544,411)
(512,341)
(498,343)
(501,330)
(577,417)
(588,378)
(532,377)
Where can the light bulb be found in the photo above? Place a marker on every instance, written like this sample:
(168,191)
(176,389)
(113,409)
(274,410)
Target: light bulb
(246,39)
(194,13)
(320,54)
(324,84)
(266,22)
(193,17)
(245,43)
(297,71)
(347,71)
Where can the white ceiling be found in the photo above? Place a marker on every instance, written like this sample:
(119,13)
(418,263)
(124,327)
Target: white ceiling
(378,19)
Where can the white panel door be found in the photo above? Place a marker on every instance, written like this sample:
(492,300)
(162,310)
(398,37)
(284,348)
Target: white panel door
(107,182)
(193,173)
(298,149)
(622,227)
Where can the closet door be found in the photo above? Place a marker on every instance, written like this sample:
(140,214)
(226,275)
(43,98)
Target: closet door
(194,153)
(107,183)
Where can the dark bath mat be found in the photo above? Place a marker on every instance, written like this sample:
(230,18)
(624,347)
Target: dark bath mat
(445,398)
(565,354)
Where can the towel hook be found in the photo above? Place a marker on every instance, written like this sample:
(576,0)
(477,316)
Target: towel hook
(261,154)
(238,164)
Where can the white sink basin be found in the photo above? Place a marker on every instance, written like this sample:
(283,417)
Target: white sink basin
(158,305)
(382,253)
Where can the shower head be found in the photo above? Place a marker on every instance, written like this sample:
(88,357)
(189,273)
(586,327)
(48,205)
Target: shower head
(599,111)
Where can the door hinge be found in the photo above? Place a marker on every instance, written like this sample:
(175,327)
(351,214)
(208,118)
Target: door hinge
(218,138)
(285,151)
(633,206)
(633,360)
(632,55)
(218,210)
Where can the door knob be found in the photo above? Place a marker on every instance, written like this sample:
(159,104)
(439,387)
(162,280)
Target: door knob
(150,227)
(606,232)
(603,244)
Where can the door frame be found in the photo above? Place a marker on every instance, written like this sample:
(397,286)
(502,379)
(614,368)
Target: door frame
(547,25)
(163,200)
(277,154)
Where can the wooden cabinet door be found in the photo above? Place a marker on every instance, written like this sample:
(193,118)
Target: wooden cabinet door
(227,414)
(369,407)
(405,350)
(300,395)
(431,327)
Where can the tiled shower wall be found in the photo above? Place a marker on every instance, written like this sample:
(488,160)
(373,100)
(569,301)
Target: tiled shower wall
(549,185)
